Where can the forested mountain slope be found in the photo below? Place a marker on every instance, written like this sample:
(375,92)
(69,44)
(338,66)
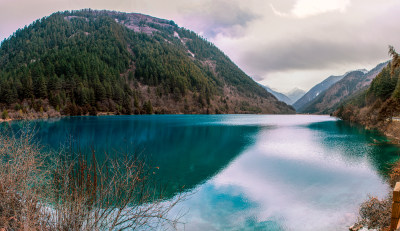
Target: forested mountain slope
(376,106)
(85,62)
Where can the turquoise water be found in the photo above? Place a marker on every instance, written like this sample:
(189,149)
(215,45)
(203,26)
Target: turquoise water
(265,172)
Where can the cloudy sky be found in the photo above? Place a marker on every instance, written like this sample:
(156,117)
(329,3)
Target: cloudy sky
(280,43)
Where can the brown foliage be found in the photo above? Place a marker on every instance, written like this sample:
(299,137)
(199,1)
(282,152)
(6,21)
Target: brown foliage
(375,213)
(395,174)
(22,178)
(395,59)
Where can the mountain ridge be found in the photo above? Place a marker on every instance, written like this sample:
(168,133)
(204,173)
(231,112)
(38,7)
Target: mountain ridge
(315,91)
(378,105)
(352,83)
(86,62)
(280,96)
(295,94)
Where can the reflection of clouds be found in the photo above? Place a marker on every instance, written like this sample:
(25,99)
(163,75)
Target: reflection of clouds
(294,176)
(273,120)
(289,174)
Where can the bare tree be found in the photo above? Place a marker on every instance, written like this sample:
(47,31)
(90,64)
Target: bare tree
(116,194)
(22,179)
(70,191)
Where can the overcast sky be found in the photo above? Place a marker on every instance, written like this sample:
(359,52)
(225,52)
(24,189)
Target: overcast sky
(280,43)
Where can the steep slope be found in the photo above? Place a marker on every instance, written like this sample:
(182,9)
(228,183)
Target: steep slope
(352,83)
(89,61)
(295,94)
(378,106)
(315,91)
(280,96)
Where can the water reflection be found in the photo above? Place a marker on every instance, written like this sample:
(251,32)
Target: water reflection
(248,171)
(186,151)
(346,137)
(295,177)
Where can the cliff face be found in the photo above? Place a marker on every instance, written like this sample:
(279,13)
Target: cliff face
(88,61)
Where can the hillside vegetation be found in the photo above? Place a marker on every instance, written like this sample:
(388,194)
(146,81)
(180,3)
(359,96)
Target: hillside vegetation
(376,106)
(86,62)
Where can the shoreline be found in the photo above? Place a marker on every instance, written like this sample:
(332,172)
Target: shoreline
(35,116)
(376,209)
(59,115)
(390,129)
(30,118)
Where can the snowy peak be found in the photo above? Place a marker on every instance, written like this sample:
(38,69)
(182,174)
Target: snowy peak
(289,97)
(295,94)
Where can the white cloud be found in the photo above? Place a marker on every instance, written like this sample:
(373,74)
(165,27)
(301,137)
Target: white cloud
(286,43)
(305,8)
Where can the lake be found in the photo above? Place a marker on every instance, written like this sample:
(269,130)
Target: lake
(266,172)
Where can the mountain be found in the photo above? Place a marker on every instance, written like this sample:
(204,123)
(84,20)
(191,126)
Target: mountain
(280,96)
(90,62)
(352,83)
(289,98)
(378,105)
(295,94)
(315,91)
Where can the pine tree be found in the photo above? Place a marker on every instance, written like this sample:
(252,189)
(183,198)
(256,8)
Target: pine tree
(41,87)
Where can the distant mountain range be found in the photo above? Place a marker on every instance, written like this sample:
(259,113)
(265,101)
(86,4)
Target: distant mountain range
(315,92)
(89,62)
(327,96)
(289,97)
(295,94)
(280,96)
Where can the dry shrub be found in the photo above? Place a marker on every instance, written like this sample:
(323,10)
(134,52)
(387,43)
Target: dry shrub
(395,174)
(73,192)
(115,194)
(22,177)
(375,213)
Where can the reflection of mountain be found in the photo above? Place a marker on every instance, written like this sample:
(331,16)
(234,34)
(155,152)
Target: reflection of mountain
(343,132)
(304,176)
(186,150)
